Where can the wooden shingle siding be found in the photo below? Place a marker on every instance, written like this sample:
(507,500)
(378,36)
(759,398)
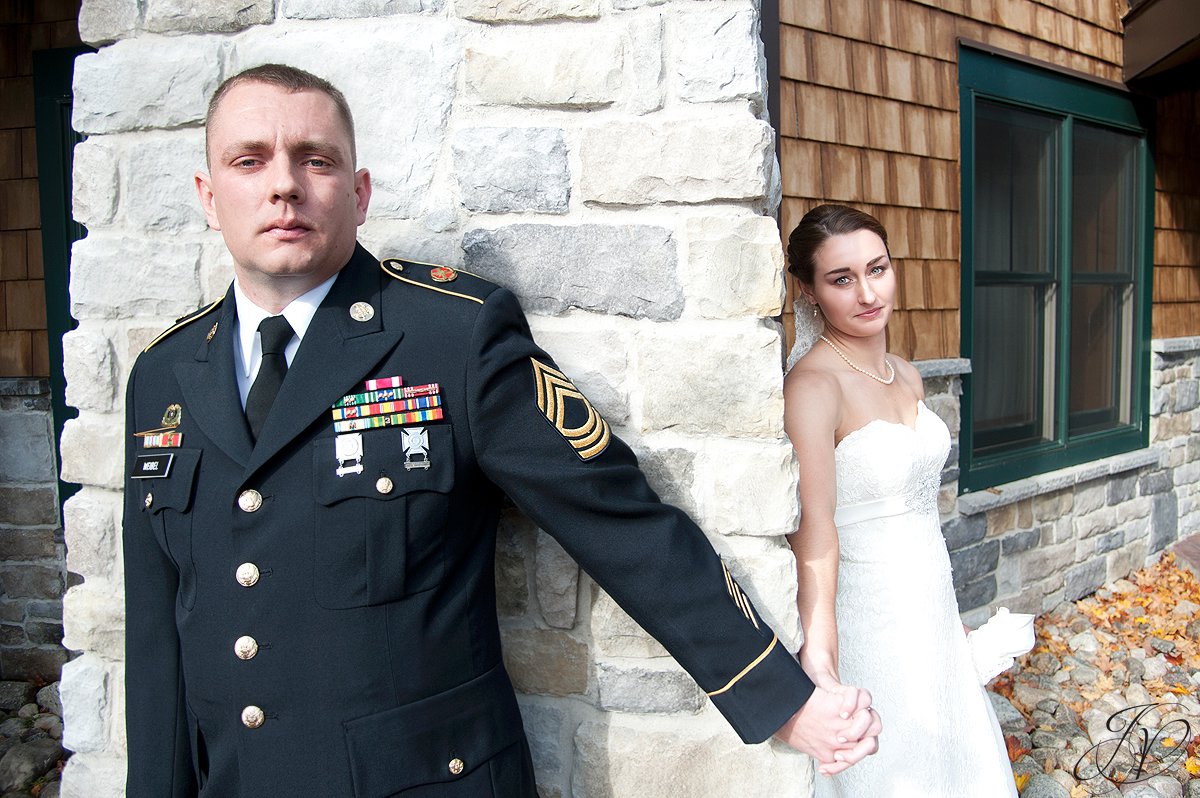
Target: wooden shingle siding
(870,118)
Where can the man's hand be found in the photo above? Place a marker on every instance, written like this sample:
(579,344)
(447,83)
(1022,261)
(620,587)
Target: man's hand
(836,726)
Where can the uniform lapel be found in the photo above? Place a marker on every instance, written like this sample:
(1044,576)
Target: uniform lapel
(336,354)
(210,391)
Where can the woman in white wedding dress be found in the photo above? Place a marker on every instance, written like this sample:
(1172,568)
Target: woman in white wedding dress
(876,599)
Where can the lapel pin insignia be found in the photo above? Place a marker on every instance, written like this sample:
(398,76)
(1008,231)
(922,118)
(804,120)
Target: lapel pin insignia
(212,332)
(361,311)
(443,274)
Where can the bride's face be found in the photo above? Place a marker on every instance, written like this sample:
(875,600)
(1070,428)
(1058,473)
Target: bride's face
(854,283)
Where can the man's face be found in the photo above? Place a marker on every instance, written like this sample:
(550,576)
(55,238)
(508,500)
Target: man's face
(281,187)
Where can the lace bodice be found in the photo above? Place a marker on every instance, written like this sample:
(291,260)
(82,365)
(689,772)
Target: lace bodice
(885,459)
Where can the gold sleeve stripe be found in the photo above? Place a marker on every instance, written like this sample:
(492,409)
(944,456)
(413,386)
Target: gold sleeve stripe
(185,321)
(739,598)
(748,668)
(390,272)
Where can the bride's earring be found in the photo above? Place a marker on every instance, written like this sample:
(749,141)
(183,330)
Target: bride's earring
(815,311)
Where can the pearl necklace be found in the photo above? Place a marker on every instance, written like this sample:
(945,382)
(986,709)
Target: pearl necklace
(860,369)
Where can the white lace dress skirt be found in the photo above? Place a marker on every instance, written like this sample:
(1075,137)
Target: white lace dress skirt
(898,627)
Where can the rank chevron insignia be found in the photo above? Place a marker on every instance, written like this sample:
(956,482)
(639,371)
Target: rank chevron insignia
(555,392)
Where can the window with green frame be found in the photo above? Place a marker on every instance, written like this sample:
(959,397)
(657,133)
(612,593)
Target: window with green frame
(1057,226)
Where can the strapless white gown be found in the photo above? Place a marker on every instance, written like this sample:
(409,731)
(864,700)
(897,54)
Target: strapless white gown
(898,626)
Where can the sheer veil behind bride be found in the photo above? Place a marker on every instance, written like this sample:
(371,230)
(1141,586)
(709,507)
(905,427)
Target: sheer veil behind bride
(808,328)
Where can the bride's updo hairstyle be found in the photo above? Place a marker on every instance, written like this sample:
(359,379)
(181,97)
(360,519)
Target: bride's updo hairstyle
(818,226)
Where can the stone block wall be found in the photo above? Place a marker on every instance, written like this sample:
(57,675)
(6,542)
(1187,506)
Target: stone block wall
(1031,544)
(609,162)
(32,578)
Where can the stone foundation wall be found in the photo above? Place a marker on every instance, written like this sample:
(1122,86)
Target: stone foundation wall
(32,578)
(1034,543)
(610,162)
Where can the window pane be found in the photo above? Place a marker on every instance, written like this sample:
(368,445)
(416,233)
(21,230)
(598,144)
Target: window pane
(1010,363)
(1104,190)
(1015,168)
(1100,357)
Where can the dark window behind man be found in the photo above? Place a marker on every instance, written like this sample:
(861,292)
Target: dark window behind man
(315,470)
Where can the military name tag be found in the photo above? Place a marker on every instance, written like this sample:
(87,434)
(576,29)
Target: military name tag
(148,466)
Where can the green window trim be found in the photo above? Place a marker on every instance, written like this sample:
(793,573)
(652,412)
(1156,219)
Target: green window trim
(1011,83)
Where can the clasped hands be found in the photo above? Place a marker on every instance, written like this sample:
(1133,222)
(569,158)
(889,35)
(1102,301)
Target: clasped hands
(836,726)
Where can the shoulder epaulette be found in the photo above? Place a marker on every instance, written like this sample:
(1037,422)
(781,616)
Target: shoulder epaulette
(437,278)
(184,321)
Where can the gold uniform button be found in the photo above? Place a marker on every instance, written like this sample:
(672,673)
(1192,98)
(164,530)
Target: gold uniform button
(149,500)
(253,717)
(247,574)
(384,485)
(456,766)
(245,647)
(250,500)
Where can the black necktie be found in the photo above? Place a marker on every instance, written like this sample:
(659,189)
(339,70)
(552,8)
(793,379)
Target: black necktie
(275,333)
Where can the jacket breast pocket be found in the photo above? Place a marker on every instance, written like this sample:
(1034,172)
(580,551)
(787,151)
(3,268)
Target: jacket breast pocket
(168,501)
(380,517)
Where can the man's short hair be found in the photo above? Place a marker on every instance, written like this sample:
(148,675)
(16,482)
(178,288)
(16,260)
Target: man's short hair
(288,78)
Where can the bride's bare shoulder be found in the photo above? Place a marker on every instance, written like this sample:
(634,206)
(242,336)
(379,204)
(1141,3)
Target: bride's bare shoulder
(909,374)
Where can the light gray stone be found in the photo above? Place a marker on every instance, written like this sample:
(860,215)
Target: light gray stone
(718,57)
(502,170)
(1187,395)
(15,694)
(565,67)
(27,454)
(1164,521)
(95,182)
(94,620)
(746,487)
(683,366)
(114,278)
(114,90)
(557,580)
(594,352)
(545,727)
(91,775)
(633,756)
(1084,579)
(400,114)
(209,16)
(546,662)
(616,634)
(104,21)
(85,699)
(514,546)
(89,365)
(1008,716)
(628,270)
(525,10)
(1042,785)
(90,521)
(160,194)
(647,686)
(671,473)
(93,449)
(645,86)
(323,9)
(734,267)
(691,160)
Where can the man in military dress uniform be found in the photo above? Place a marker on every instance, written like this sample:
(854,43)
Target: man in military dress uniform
(315,466)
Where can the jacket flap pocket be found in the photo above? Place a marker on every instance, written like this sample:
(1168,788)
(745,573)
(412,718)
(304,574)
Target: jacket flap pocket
(172,488)
(383,463)
(437,739)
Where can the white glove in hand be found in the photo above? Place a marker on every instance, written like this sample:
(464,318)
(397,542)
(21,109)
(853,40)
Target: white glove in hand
(996,644)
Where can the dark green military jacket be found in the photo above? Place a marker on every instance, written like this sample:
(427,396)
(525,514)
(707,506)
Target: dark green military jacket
(314,614)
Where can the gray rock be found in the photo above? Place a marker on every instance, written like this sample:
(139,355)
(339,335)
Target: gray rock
(13,727)
(1084,642)
(1041,785)
(25,762)
(52,790)
(1084,674)
(1192,789)
(1010,718)
(14,695)
(1048,739)
(51,724)
(503,170)
(1142,791)
(556,267)
(1136,668)
(30,710)
(48,699)
(1050,706)
(1162,646)
(974,562)
(1044,663)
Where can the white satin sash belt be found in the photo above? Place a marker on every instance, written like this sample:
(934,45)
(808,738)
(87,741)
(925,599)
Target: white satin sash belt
(866,511)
